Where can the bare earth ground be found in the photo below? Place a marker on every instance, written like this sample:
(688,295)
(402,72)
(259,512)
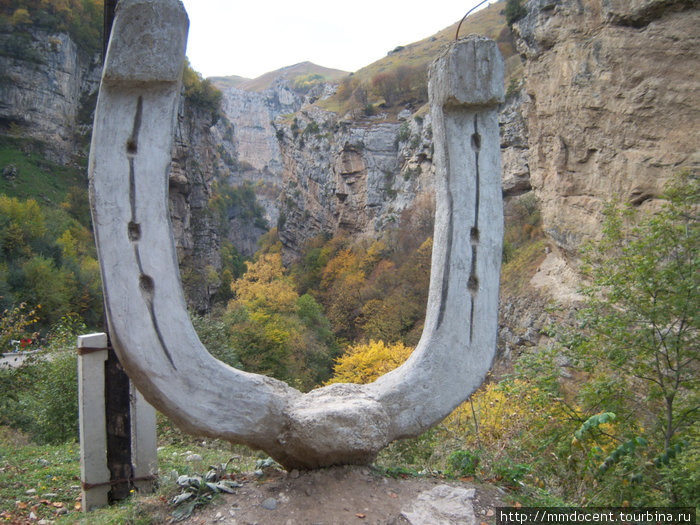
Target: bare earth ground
(339,495)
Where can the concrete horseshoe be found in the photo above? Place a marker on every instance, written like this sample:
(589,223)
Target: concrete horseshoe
(148,321)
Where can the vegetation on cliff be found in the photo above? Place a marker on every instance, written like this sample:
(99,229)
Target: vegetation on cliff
(200,93)
(81,19)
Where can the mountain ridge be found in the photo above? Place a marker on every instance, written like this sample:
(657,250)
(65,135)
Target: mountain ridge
(266,80)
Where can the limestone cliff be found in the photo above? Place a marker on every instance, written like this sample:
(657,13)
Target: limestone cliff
(354,176)
(612,104)
(201,156)
(48,88)
(254,136)
(363,176)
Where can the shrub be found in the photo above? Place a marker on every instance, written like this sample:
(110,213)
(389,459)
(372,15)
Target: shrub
(304,83)
(52,399)
(41,396)
(514,11)
(16,323)
(463,463)
(200,93)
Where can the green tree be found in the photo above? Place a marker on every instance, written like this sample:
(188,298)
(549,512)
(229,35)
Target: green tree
(274,330)
(639,330)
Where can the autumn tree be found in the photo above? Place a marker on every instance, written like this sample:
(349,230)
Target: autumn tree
(47,258)
(274,330)
(81,19)
(403,82)
(365,362)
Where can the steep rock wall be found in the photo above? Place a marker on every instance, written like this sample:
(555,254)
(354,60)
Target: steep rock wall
(350,176)
(256,141)
(47,91)
(201,156)
(612,105)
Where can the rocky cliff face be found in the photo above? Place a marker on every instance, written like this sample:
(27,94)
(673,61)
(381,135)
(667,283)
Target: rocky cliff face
(47,91)
(350,176)
(364,176)
(201,156)
(612,104)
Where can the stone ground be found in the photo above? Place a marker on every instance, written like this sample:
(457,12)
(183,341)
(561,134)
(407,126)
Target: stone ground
(350,495)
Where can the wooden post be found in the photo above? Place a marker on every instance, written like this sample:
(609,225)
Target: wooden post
(117,408)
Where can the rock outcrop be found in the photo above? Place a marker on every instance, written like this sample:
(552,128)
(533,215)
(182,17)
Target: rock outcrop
(612,104)
(48,88)
(350,176)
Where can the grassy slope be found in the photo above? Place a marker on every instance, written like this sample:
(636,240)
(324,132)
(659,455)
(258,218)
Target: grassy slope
(228,82)
(37,178)
(489,22)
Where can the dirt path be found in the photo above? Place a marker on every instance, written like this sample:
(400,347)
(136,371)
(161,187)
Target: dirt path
(349,495)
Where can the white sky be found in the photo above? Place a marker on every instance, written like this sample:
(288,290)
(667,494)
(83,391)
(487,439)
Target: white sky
(228,37)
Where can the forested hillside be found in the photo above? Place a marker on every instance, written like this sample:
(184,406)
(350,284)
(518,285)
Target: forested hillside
(47,261)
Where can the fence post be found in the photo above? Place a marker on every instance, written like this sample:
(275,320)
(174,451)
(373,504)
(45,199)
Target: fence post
(144,455)
(94,474)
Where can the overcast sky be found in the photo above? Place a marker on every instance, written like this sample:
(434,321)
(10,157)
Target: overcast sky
(228,37)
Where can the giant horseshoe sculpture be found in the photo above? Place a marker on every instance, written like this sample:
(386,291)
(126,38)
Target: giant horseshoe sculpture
(148,321)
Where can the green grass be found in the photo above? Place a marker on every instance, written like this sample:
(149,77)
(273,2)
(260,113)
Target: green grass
(45,479)
(37,178)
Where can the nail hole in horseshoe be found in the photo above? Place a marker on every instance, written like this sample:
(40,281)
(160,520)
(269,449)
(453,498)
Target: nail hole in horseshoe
(131,147)
(134,231)
(476,141)
(147,285)
(475,235)
(473,285)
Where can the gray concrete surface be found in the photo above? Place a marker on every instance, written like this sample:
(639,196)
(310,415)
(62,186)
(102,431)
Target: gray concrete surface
(149,324)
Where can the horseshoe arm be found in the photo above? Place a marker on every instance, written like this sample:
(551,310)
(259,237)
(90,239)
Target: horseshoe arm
(458,343)
(129,163)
